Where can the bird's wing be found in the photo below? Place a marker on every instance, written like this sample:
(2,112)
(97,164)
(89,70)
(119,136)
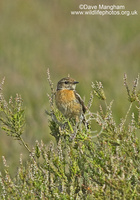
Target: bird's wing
(81,101)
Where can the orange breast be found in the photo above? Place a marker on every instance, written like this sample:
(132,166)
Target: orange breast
(64,96)
(66,102)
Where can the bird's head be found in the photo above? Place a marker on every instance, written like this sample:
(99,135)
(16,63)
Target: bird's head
(67,83)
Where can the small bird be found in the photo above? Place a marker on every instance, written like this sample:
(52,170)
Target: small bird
(68,101)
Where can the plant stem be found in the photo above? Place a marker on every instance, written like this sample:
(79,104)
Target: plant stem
(24,144)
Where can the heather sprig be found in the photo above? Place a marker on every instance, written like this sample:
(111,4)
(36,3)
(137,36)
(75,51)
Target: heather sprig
(98,90)
(134,95)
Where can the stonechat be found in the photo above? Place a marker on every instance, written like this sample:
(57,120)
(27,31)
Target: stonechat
(68,101)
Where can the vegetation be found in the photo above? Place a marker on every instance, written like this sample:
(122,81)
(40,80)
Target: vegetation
(76,166)
(35,35)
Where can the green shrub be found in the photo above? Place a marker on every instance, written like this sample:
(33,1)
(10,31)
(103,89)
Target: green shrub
(80,165)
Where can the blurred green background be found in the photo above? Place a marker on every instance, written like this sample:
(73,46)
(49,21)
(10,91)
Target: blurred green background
(40,34)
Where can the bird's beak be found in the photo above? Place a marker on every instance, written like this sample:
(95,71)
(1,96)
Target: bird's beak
(75,82)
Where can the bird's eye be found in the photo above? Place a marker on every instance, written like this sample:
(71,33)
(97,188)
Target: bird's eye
(66,82)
